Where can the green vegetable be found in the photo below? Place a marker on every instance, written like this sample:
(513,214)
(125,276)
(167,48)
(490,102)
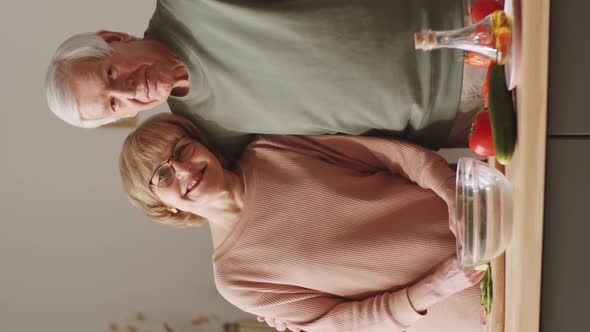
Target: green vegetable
(502,115)
(486,290)
(483,267)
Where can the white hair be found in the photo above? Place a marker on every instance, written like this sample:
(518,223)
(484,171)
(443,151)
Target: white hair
(57,90)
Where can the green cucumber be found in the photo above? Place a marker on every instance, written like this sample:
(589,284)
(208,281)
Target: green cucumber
(502,115)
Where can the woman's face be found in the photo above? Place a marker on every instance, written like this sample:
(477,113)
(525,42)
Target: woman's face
(195,178)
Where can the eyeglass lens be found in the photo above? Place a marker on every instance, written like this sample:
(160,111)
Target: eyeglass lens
(164,176)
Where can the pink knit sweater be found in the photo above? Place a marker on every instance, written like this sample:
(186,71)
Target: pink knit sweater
(335,229)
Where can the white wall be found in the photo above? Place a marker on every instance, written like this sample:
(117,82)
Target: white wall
(74,254)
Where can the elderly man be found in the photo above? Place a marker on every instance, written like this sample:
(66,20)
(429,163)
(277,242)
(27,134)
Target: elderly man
(275,67)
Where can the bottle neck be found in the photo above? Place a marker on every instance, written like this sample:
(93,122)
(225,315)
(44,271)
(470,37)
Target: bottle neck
(479,37)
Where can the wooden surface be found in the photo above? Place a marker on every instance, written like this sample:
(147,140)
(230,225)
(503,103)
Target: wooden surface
(527,174)
(496,320)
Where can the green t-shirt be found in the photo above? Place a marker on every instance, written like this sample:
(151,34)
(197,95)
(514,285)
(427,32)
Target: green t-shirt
(313,67)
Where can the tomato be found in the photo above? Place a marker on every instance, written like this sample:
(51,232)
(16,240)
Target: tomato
(483,8)
(476,59)
(481,141)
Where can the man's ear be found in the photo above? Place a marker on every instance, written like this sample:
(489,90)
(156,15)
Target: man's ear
(114,36)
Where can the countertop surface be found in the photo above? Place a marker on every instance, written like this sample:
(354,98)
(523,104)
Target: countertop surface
(517,274)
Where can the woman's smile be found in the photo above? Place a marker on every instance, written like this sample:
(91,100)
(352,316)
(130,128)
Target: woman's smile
(195,181)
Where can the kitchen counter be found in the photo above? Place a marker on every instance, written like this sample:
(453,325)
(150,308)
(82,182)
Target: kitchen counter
(517,274)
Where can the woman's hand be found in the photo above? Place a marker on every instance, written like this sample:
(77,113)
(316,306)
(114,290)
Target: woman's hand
(277,324)
(448,189)
(446,280)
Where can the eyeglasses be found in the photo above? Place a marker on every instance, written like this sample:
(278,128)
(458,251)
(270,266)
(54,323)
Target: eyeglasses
(165,174)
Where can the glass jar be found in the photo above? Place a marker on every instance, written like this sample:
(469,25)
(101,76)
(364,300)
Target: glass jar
(482,215)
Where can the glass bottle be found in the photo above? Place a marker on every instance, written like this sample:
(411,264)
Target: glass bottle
(491,37)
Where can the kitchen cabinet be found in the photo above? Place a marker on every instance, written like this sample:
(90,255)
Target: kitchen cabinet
(565,290)
(568,112)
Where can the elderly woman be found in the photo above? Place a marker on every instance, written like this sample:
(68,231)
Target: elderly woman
(324,233)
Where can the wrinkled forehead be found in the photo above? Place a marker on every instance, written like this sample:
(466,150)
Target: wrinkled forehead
(88,87)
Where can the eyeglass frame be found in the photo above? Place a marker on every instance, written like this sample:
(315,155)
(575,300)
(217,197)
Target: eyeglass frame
(151,183)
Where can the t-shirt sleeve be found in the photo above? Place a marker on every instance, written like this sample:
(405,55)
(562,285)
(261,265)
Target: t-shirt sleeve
(313,311)
(229,143)
(422,166)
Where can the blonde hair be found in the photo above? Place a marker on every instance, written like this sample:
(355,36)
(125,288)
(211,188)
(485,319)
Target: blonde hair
(151,140)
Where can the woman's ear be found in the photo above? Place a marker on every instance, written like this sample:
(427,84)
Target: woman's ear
(114,36)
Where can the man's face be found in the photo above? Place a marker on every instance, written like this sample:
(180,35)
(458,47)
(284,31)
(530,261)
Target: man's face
(138,75)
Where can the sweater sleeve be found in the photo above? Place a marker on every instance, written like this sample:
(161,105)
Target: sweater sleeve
(424,167)
(313,311)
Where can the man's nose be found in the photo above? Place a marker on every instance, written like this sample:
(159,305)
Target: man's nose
(125,87)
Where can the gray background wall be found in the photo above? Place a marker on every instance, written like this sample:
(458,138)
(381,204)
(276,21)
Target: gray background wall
(74,254)
(565,291)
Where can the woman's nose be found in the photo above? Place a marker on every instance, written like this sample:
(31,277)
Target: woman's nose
(182,169)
